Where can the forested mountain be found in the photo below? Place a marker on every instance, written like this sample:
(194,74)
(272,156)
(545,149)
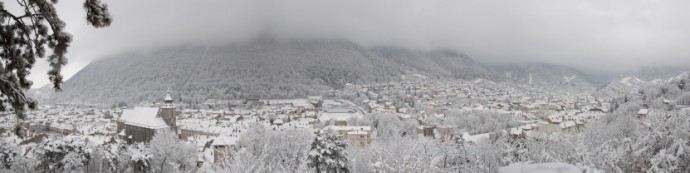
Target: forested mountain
(263,68)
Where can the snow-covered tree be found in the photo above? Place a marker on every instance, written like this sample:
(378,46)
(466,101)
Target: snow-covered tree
(170,153)
(140,156)
(328,153)
(475,122)
(26,33)
(8,153)
(387,125)
(264,149)
(113,157)
(671,159)
(64,154)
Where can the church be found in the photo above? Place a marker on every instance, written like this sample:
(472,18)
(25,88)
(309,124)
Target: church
(141,123)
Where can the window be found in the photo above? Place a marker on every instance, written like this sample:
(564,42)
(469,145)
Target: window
(361,136)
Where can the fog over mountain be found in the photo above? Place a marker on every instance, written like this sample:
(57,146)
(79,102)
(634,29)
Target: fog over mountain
(590,35)
(260,69)
(270,68)
(263,86)
(659,72)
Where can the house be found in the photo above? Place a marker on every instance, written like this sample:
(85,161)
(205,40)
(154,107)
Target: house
(358,135)
(548,127)
(426,131)
(554,120)
(213,148)
(339,115)
(253,101)
(580,124)
(186,133)
(339,122)
(445,132)
(311,113)
(596,111)
(60,128)
(141,123)
(567,125)
(316,101)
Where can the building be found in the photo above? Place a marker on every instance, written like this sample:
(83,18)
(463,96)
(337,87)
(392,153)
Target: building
(426,131)
(253,102)
(358,135)
(141,123)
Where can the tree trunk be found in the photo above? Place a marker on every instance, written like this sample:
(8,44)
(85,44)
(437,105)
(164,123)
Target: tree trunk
(318,170)
(163,164)
(18,129)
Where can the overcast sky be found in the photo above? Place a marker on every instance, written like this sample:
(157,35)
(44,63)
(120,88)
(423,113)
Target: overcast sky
(592,35)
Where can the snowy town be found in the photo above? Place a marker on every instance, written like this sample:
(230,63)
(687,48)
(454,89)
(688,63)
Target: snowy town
(356,86)
(429,110)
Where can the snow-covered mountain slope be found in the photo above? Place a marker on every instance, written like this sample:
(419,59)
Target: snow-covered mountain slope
(629,84)
(623,84)
(263,68)
(679,77)
(659,72)
(632,81)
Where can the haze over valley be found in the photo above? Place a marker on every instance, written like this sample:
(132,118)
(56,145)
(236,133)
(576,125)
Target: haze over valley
(344,86)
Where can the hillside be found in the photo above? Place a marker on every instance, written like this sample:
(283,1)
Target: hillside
(622,85)
(659,72)
(631,83)
(545,74)
(660,94)
(264,69)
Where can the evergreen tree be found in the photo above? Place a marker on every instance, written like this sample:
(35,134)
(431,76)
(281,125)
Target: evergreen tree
(68,154)
(25,37)
(328,153)
(681,84)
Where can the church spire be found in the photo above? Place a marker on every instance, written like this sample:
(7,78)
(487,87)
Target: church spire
(167,111)
(168,98)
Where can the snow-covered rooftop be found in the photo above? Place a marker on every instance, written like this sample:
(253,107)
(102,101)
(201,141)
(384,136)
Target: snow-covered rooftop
(357,132)
(567,124)
(540,168)
(348,128)
(144,117)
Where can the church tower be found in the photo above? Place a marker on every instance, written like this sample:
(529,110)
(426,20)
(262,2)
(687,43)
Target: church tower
(167,111)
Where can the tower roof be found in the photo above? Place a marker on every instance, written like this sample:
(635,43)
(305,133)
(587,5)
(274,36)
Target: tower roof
(168,98)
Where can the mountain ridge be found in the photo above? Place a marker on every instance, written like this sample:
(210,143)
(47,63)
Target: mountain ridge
(267,68)
(264,69)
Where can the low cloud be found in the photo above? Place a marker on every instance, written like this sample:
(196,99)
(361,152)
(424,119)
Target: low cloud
(603,36)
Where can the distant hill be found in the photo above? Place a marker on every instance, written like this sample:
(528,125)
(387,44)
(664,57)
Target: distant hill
(660,94)
(659,72)
(263,69)
(545,74)
(641,79)
(623,84)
